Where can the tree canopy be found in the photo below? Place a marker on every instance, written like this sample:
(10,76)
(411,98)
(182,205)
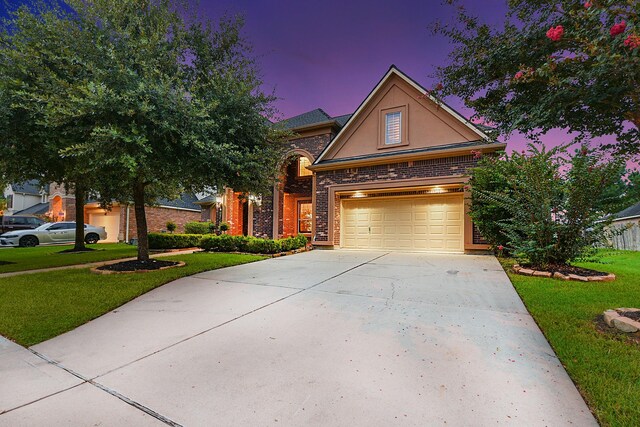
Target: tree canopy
(169,104)
(554,64)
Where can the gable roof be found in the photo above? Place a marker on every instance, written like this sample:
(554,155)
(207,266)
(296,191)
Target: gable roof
(394,71)
(630,212)
(31,187)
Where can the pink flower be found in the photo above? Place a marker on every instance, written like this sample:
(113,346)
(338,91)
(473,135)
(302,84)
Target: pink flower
(519,75)
(555,34)
(500,247)
(587,5)
(632,41)
(618,29)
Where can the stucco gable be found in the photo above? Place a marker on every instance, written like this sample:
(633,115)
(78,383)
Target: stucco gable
(427,124)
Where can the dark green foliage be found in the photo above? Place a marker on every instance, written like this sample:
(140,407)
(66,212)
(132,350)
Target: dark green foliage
(199,228)
(224,227)
(544,206)
(519,79)
(227,243)
(171,226)
(173,241)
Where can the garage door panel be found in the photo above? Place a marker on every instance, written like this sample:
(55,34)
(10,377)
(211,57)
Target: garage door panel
(426,223)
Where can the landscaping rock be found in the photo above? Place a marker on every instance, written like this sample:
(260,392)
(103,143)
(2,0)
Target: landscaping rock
(609,315)
(578,278)
(609,278)
(559,275)
(542,273)
(526,271)
(626,325)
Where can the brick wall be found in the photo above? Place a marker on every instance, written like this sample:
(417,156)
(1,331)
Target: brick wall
(263,215)
(419,169)
(313,144)
(157,219)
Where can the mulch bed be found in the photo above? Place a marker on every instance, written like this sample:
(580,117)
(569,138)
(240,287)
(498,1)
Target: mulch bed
(569,269)
(6,262)
(73,251)
(135,265)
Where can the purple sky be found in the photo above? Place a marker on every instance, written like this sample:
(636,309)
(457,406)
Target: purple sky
(330,54)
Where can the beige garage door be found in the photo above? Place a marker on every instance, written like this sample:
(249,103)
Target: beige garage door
(110,221)
(426,223)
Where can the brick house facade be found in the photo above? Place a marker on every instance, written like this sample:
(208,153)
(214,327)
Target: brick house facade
(392,175)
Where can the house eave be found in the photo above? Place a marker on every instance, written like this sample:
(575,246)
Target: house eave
(405,156)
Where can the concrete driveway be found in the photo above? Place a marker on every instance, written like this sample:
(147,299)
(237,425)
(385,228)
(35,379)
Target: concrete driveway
(340,338)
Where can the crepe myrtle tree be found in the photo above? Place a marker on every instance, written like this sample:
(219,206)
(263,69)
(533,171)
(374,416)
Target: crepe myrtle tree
(545,206)
(564,64)
(41,72)
(174,104)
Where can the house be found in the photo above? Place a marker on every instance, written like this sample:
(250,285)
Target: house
(26,198)
(391,175)
(120,221)
(627,224)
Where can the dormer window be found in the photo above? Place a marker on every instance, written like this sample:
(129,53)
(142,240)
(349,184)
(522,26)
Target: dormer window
(393,128)
(303,162)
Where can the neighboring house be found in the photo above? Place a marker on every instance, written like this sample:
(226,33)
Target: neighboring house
(627,224)
(390,176)
(120,221)
(26,198)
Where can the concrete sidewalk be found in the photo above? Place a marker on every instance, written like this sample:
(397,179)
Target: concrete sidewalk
(320,338)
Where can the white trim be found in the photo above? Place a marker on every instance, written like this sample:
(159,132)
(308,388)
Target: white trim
(394,71)
(173,207)
(625,218)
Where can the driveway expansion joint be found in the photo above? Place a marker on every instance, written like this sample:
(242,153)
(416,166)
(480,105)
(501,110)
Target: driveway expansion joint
(102,387)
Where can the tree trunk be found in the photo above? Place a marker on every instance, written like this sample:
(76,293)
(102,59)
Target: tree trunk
(141,221)
(81,198)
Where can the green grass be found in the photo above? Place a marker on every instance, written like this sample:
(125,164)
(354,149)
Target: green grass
(605,367)
(22,259)
(39,306)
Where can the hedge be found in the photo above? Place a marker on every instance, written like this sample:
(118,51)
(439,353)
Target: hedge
(226,243)
(173,241)
(199,227)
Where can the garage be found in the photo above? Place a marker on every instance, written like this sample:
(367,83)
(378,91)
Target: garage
(109,220)
(425,223)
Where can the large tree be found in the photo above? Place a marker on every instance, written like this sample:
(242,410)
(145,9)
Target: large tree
(174,104)
(554,64)
(41,71)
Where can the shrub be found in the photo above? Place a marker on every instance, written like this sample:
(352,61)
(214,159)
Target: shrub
(173,241)
(171,226)
(227,243)
(224,227)
(545,207)
(199,227)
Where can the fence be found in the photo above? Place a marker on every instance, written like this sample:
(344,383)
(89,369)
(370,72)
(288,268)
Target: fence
(627,235)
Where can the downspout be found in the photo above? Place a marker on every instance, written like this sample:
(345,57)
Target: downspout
(126,233)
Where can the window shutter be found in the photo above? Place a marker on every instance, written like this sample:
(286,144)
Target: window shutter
(393,128)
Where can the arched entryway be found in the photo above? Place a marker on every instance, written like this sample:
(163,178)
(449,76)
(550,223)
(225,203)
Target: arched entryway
(294,196)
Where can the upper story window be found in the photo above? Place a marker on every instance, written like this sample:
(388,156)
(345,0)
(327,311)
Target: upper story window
(303,162)
(393,128)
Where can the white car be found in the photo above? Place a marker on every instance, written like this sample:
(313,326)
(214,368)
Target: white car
(51,233)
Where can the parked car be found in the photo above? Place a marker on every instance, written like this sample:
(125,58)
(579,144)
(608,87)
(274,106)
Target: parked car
(51,233)
(18,222)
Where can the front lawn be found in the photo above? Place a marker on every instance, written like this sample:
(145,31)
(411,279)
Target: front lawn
(605,367)
(39,306)
(21,259)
